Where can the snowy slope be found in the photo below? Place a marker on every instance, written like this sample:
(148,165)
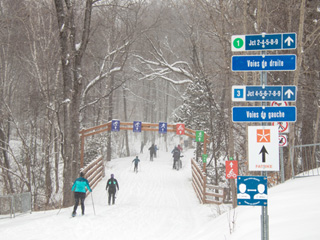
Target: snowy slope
(159,203)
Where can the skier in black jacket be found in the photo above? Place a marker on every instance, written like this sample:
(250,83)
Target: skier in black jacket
(112,186)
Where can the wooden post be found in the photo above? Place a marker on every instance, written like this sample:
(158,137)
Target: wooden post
(205,151)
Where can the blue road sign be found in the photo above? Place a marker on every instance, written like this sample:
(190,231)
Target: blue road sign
(256,42)
(252,191)
(115,126)
(162,127)
(137,126)
(246,63)
(264,114)
(264,93)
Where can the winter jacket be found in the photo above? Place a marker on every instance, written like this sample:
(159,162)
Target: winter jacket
(136,161)
(80,185)
(113,185)
(176,154)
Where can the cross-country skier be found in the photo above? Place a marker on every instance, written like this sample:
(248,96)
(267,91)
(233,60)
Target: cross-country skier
(176,157)
(152,152)
(136,162)
(79,188)
(112,186)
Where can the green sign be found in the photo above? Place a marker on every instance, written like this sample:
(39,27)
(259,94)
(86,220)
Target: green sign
(238,43)
(199,136)
(231,158)
(204,158)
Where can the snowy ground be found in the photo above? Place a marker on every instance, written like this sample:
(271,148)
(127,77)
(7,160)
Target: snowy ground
(159,203)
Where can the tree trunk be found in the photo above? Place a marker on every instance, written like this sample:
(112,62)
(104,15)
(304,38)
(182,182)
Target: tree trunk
(288,169)
(71,58)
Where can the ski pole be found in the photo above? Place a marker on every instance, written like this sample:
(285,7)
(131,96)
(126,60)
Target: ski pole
(94,211)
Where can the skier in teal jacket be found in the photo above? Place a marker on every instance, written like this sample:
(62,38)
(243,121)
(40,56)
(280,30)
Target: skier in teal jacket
(79,189)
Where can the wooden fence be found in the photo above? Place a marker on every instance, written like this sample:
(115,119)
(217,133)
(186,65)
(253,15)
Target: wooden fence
(206,193)
(94,171)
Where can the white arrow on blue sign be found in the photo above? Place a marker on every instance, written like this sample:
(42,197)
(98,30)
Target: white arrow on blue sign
(264,114)
(247,63)
(264,93)
(256,42)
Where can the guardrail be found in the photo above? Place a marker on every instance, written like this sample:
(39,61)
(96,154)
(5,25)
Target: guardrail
(206,193)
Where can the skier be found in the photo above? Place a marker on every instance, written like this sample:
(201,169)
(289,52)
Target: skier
(112,186)
(79,188)
(152,152)
(136,162)
(176,157)
(155,150)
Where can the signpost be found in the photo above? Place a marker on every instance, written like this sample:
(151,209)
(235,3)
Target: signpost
(247,63)
(264,93)
(264,114)
(263,141)
(259,42)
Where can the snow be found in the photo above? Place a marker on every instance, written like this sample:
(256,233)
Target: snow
(159,203)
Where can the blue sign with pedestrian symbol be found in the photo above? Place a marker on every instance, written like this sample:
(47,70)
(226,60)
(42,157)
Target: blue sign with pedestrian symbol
(252,190)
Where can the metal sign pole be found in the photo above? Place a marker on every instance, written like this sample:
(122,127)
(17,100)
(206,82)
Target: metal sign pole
(264,209)
(282,164)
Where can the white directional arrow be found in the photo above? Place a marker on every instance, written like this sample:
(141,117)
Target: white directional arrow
(231,164)
(289,93)
(288,41)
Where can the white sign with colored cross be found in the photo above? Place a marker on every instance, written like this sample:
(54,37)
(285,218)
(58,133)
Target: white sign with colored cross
(263,148)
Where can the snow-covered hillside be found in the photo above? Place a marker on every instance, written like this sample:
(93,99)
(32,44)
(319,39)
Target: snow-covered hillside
(159,203)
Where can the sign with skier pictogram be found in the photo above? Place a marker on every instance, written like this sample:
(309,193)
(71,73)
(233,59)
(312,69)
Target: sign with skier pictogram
(115,125)
(263,148)
(231,169)
(204,158)
(283,127)
(163,127)
(180,128)
(137,126)
(199,136)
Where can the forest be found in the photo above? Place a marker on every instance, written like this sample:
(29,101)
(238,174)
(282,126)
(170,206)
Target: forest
(67,65)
